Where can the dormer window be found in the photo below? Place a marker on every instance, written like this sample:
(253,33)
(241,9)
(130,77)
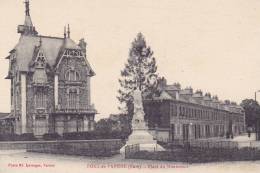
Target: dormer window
(13,57)
(72,75)
(40,60)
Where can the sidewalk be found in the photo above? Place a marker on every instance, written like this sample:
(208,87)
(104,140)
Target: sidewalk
(245,141)
(241,141)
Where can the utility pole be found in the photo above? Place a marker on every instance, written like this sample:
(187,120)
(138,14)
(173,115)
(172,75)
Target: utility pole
(255,94)
(257,125)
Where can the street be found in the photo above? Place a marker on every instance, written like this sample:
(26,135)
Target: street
(21,161)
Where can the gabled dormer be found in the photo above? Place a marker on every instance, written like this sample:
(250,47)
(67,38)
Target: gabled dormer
(39,65)
(71,50)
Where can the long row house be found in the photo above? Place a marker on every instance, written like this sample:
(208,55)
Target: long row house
(176,113)
(50,83)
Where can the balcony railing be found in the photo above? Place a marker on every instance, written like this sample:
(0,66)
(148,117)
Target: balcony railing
(88,109)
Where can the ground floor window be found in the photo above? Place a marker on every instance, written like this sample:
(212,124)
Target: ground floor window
(72,123)
(40,126)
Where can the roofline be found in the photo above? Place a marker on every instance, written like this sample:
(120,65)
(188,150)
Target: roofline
(43,36)
(11,51)
(202,96)
(193,104)
(7,77)
(5,115)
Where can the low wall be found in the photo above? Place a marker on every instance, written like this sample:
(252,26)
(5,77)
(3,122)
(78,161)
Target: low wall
(104,148)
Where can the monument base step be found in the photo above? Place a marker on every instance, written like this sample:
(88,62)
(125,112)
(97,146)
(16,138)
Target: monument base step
(146,147)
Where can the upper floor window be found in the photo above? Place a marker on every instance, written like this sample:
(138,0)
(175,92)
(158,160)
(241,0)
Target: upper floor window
(72,75)
(40,98)
(73,98)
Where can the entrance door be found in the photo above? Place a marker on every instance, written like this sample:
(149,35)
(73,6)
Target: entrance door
(40,126)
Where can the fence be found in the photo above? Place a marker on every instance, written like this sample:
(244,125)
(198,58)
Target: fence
(131,149)
(199,155)
(204,144)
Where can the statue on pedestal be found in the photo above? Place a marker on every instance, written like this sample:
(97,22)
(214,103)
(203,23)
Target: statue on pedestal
(140,134)
(138,117)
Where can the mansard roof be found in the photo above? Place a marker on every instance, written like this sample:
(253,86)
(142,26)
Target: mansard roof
(26,47)
(70,44)
(52,46)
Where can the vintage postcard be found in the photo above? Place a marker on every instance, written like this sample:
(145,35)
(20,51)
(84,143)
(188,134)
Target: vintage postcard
(129,86)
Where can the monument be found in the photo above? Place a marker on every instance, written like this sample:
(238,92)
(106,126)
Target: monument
(140,134)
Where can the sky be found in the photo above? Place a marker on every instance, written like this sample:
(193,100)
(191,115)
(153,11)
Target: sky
(208,45)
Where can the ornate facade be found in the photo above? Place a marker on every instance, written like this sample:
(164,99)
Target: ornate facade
(176,113)
(50,83)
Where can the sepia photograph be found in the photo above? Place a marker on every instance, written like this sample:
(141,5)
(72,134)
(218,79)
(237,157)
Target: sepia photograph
(129,86)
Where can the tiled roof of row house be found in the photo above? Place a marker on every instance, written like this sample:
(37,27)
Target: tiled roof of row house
(175,92)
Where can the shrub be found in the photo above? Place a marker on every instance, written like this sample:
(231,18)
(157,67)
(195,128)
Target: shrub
(94,135)
(27,137)
(9,137)
(16,137)
(51,136)
(80,135)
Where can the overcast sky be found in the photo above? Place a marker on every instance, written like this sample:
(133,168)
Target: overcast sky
(210,45)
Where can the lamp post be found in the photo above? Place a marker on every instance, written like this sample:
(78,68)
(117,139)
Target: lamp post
(255,94)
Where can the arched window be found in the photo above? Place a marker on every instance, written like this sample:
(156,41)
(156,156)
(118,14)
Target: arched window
(72,75)
(73,98)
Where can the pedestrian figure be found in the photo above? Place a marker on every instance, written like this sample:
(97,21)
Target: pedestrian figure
(249,133)
(227,135)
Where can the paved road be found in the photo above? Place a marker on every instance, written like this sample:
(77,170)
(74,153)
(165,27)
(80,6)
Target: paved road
(22,162)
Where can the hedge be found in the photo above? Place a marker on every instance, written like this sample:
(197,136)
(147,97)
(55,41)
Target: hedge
(94,135)
(16,137)
(51,136)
